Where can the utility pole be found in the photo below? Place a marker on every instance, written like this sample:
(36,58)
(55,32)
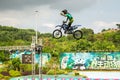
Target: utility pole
(40,54)
(33,56)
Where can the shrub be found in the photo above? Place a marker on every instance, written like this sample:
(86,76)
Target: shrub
(14,73)
(26,67)
(51,72)
(60,72)
(1,76)
(6,77)
(45,70)
(76,74)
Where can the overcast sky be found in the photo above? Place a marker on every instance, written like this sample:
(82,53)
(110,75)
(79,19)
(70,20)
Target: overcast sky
(94,14)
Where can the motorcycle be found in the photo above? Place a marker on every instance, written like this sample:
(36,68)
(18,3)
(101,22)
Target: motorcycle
(77,33)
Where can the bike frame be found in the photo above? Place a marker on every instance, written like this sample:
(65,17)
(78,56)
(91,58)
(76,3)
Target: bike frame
(62,26)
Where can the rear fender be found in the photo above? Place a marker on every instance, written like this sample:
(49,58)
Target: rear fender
(77,25)
(58,26)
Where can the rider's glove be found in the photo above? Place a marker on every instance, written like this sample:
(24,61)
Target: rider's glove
(62,14)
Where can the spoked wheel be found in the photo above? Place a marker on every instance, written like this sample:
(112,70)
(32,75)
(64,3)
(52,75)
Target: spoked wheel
(57,34)
(77,34)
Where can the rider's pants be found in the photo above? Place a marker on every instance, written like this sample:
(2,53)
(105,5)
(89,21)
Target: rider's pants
(69,23)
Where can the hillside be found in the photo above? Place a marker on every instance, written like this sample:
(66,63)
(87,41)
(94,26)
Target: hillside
(10,36)
(14,36)
(105,41)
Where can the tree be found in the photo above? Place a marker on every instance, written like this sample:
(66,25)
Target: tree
(83,45)
(118,26)
(103,30)
(87,31)
(2,56)
(116,38)
(16,63)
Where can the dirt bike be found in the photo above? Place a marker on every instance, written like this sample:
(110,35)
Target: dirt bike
(77,34)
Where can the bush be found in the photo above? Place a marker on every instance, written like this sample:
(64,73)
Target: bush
(14,73)
(83,76)
(0,70)
(1,76)
(76,74)
(45,70)
(26,67)
(6,77)
(60,72)
(51,72)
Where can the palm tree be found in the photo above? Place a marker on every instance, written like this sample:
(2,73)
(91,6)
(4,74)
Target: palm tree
(118,26)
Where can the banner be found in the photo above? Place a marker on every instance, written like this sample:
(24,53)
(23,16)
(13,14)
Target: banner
(90,60)
(26,57)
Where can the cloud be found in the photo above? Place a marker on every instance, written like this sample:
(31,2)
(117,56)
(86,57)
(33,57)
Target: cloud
(21,13)
(9,21)
(105,24)
(49,25)
(100,25)
(21,4)
(73,5)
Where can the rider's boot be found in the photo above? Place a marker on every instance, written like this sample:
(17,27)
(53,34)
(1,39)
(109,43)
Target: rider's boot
(65,31)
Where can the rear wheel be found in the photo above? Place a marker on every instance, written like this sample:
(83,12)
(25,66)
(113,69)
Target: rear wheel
(77,34)
(57,34)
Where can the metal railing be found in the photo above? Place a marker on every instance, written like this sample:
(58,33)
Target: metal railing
(14,47)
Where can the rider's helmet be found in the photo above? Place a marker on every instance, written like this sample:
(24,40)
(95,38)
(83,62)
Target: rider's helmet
(65,11)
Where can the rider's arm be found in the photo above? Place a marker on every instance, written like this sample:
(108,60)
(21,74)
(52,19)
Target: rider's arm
(66,20)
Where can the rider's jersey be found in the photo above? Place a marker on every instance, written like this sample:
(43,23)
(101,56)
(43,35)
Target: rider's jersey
(69,16)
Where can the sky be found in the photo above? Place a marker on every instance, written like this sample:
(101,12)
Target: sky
(93,14)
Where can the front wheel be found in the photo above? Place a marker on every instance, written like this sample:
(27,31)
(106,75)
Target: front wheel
(57,34)
(77,34)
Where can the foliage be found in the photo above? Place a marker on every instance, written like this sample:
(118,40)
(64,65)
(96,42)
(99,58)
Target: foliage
(25,67)
(1,76)
(90,40)
(58,71)
(14,73)
(4,77)
(61,72)
(7,77)
(4,55)
(10,36)
(45,69)
(16,63)
(51,72)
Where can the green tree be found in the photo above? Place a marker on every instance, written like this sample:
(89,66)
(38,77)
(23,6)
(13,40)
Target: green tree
(118,25)
(16,63)
(2,56)
(86,31)
(103,30)
(83,45)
